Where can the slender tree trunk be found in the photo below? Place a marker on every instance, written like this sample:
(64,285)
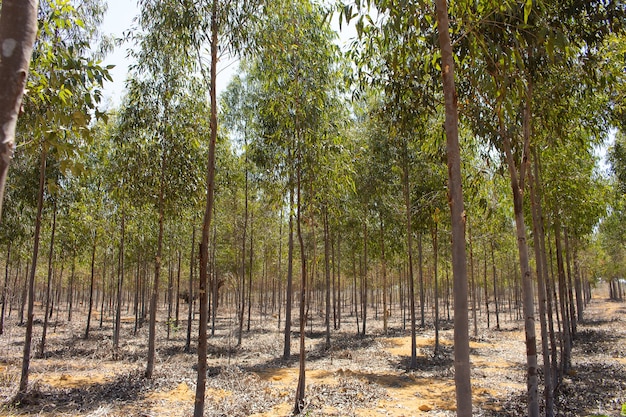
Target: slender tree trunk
(384,273)
(204,245)
(192,262)
(472,283)
(364,276)
(457,213)
(567,337)
(299,400)
(31,276)
(120,283)
(517,186)
(5,287)
(18,28)
(251,254)
(91,284)
(570,294)
(541,285)
(409,245)
(436,282)
(327,274)
(70,292)
(495,287)
(42,345)
(289,290)
(177,311)
(157,272)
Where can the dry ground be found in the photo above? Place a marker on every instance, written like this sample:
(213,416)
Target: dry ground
(358,376)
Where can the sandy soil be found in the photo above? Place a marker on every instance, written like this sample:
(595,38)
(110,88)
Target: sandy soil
(358,376)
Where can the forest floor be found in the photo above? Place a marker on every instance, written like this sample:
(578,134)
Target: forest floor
(358,376)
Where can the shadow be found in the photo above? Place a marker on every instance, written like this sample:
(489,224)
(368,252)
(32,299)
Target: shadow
(595,341)
(125,388)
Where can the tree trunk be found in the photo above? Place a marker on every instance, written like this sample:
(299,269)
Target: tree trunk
(204,245)
(327,274)
(299,400)
(192,262)
(495,287)
(409,245)
(120,283)
(70,292)
(435,237)
(42,345)
(289,290)
(541,285)
(91,284)
(457,213)
(18,28)
(566,357)
(517,187)
(570,294)
(384,272)
(31,276)
(364,275)
(5,287)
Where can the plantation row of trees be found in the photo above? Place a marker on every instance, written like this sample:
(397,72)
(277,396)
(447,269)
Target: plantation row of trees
(325,177)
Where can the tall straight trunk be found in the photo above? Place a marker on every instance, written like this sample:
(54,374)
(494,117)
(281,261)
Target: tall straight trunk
(299,400)
(192,262)
(157,272)
(5,287)
(420,256)
(577,283)
(541,285)
(42,344)
(409,245)
(177,311)
(170,291)
(334,278)
(566,335)
(339,292)
(435,238)
(457,213)
(242,280)
(485,283)
(495,287)
(137,294)
(70,291)
(364,276)
(91,284)
(384,273)
(570,293)
(18,28)
(31,276)
(517,187)
(327,274)
(472,282)
(120,283)
(104,282)
(204,245)
(251,254)
(289,289)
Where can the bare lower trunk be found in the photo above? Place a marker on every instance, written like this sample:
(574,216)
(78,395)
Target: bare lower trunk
(42,345)
(31,276)
(457,213)
(204,245)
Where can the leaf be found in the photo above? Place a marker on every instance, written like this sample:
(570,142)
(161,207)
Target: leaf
(527,8)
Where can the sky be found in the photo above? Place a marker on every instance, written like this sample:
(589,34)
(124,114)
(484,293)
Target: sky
(119,18)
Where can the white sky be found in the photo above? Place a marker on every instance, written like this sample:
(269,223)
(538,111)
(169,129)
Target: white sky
(119,18)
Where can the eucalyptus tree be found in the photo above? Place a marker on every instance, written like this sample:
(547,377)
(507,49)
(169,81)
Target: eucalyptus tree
(18,29)
(155,120)
(64,89)
(293,68)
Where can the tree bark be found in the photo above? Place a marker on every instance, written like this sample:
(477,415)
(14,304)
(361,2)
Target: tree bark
(300,390)
(18,28)
(23,387)
(120,283)
(42,345)
(522,246)
(457,213)
(204,245)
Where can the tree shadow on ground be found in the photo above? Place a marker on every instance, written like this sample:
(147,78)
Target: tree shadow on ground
(43,398)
